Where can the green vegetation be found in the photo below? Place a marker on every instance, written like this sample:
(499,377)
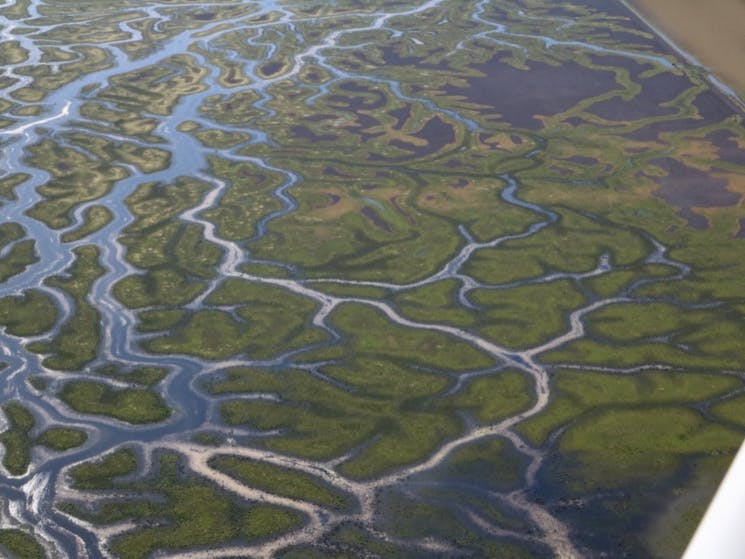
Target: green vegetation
(157,321)
(634,334)
(368,333)
(293,484)
(16,438)
(21,256)
(574,244)
(100,474)
(76,179)
(382,164)
(248,199)
(669,533)
(77,342)
(96,217)
(405,518)
(132,405)
(435,303)
(491,398)
(146,376)
(611,449)
(156,88)
(20,545)
(30,314)
(526,316)
(385,405)
(175,257)
(18,441)
(209,439)
(61,439)
(731,410)
(579,394)
(38,382)
(190,512)
(9,183)
(266,321)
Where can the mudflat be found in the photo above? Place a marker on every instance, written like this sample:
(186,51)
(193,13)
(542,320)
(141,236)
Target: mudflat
(711,31)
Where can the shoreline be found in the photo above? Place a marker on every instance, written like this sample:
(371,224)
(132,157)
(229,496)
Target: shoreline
(710,33)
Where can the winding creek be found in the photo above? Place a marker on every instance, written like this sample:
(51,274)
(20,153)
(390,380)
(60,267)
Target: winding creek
(29,500)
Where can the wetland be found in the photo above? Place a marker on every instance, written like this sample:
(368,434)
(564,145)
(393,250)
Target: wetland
(427,278)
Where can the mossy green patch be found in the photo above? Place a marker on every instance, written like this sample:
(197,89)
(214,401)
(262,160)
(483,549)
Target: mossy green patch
(101,473)
(188,512)
(16,438)
(369,332)
(493,397)
(267,321)
(21,256)
(30,314)
(617,446)
(78,339)
(95,218)
(132,405)
(578,394)
(61,438)
(526,316)
(368,401)
(21,545)
(281,481)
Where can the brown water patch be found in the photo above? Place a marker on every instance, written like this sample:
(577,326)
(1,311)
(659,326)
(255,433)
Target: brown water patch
(688,188)
(333,200)
(363,123)
(460,183)
(350,65)
(727,147)
(560,170)
(647,103)
(305,133)
(332,197)
(374,216)
(519,95)
(401,115)
(575,120)
(361,56)
(205,16)
(331,171)
(712,107)
(436,133)
(271,68)
(392,58)
(232,78)
(582,160)
(633,67)
(615,9)
(378,100)
(651,132)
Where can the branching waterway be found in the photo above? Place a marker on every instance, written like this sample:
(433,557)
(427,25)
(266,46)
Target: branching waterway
(147,35)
